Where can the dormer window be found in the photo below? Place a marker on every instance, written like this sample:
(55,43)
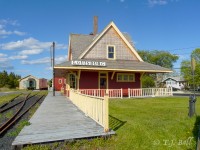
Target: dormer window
(111,52)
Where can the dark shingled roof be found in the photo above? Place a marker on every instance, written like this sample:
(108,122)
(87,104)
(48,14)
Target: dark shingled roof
(122,65)
(79,43)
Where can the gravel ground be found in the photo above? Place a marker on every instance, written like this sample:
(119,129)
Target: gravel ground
(7,139)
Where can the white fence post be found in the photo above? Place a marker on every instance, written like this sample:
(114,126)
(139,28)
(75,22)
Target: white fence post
(121,93)
(106,112)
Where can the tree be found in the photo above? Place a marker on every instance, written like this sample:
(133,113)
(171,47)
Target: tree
(196,55)
(161,58)
(147,81)
(9,80)
(186,70)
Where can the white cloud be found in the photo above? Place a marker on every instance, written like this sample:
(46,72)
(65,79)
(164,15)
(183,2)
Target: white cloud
(152,3)
(18,33)
(3,59)
(44,60)
(49,68)
(4,25)
(18,57)
(60,59)
(5,66)
(31,52)
(2,55)
(30,43)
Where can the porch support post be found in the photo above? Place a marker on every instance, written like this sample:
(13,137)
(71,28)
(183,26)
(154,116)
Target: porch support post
(112,75)
(141,75)
(78,78)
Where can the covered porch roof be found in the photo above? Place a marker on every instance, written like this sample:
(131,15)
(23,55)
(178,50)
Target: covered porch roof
(113,65)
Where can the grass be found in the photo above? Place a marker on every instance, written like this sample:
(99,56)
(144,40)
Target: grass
(150,123)
(5,89)
(6,98)
(19,127)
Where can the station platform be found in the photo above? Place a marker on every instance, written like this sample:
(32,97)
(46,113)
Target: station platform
(58,119)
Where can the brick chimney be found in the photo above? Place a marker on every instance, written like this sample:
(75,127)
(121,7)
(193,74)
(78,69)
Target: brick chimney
(95,25)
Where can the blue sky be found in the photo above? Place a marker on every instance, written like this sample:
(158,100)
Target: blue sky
(28,28)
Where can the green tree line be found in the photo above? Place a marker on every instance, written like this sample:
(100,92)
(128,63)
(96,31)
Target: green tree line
(10,80)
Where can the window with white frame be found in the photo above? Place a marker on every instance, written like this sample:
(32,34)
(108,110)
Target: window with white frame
(125,77)
(111,52)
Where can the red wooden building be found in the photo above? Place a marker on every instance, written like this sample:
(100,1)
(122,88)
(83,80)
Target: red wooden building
(107,60)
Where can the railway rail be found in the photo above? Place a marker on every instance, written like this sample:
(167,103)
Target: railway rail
(4,105)
(14,102)
(20,112)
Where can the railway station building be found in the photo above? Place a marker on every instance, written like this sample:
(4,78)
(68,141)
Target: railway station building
(105,60)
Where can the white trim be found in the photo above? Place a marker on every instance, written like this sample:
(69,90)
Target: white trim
(69,48)
(111,24)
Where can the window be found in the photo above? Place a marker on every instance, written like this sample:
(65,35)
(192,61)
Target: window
(111,52)
(60,81)
(125,77)
(72,81)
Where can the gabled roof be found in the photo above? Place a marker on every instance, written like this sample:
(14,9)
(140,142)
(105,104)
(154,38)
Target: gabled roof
(118,65)
(111,24)
(174,78)
(79,43)
(27,77)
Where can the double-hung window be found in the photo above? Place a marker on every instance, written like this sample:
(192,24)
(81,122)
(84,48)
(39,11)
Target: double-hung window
(111,52)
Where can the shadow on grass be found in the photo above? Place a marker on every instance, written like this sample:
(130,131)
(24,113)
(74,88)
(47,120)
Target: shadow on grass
(115,123)
(196,129)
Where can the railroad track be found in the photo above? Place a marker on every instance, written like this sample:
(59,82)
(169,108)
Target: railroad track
(12,103)
(4,105)
(20,112)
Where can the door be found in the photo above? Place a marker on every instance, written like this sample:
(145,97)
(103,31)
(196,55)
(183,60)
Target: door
(72,81)
(103,80)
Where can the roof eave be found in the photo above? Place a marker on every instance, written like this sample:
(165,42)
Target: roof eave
(110,69)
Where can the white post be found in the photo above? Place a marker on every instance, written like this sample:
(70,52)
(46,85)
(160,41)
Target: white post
(105,113)
(129,93)
(121,93)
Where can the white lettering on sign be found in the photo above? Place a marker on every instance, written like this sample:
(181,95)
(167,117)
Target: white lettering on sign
(88,63)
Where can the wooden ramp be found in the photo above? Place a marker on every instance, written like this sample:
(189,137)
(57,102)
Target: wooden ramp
(58,119)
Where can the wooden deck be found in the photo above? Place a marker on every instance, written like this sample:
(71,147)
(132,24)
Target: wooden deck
(58,119)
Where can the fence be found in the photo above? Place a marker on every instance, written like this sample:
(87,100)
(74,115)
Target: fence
(150,92)
(94,107)
(118,93)
(113,93)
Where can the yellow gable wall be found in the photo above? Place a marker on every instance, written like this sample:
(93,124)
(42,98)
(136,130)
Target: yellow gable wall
(111,37)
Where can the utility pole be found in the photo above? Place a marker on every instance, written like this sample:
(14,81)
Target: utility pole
(53,69)
(192,99)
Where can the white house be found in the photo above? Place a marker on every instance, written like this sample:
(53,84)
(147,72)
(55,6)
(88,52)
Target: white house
(175,82)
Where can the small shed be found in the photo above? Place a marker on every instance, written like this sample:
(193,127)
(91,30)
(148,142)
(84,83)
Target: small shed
(31,82)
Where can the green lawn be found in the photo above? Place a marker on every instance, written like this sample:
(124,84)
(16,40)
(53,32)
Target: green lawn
(144,124)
